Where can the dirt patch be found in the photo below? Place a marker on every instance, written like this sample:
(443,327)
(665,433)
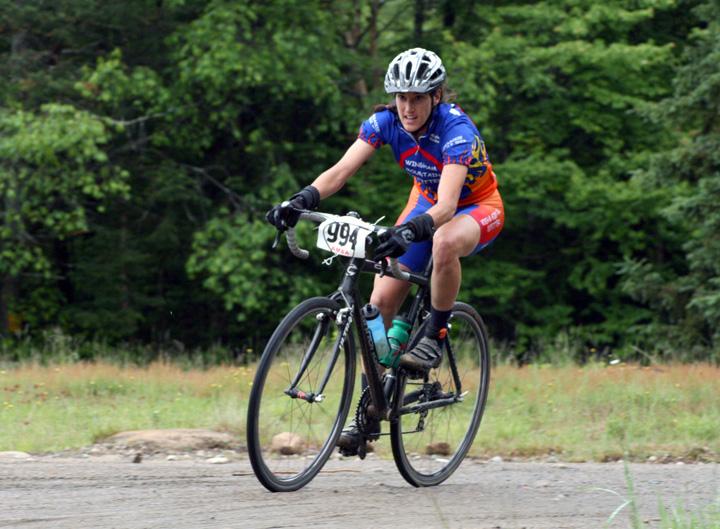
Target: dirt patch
(171,440)
(108,492)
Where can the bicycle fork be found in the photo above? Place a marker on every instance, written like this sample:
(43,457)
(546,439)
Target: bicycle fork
(343,320)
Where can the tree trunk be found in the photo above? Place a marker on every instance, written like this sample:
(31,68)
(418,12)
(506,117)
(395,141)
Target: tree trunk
(419,21)
(4,319)
(9,284)
(448,14)
(377,73)
(8,295)
(352,40)
(124,277)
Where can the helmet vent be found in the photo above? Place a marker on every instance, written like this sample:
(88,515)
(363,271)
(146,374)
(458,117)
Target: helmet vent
(421,70)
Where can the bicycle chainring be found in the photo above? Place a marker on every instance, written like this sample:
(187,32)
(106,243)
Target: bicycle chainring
(368,426)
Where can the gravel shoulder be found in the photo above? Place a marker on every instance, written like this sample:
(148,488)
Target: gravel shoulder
(105,489)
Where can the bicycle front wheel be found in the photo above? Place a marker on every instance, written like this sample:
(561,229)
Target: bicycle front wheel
(429,444)
(292,427)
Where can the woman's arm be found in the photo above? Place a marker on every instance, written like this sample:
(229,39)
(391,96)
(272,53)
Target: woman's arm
(332,180)
(452,180)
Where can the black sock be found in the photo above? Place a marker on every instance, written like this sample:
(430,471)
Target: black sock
(438,323)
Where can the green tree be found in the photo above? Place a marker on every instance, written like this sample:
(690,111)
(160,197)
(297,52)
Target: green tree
(557,89)
(100,135)
(53,170)
(686,294)
(172,126)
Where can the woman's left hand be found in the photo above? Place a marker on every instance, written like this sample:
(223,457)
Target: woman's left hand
(394,242)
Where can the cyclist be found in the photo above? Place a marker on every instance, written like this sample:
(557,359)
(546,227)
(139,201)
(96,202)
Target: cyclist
(454,209)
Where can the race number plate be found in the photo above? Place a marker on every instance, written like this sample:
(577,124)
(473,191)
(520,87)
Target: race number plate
(344,236)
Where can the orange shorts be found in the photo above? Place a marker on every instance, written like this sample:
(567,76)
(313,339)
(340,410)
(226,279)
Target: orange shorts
(489,213)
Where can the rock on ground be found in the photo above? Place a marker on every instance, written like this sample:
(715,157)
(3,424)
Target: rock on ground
(9,455)
(178,439)
(287,443)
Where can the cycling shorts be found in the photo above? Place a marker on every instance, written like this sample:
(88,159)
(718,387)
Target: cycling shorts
(489,213)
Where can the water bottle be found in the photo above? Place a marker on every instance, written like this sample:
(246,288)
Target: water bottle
(376,327)
(397,337)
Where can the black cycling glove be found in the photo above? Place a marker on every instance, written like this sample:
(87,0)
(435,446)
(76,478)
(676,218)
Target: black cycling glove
(395,241)
(286,215)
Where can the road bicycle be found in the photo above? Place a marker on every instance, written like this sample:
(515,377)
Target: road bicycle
(303,388)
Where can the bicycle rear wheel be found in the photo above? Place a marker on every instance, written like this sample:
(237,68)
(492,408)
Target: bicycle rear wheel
(290,437)
(429,446)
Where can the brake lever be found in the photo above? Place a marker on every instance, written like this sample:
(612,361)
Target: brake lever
(369,242)
(277,239)
(383,266)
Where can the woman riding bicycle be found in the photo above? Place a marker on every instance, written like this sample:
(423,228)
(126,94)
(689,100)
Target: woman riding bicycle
(454,209)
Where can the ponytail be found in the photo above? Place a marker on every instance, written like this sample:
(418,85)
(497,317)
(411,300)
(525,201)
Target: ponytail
(392,107)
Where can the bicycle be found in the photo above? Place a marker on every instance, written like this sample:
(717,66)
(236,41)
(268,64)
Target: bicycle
(302,390)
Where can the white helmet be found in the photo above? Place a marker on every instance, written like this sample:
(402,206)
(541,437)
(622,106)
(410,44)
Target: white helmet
(415,70)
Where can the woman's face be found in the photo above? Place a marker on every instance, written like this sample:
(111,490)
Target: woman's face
(414,109)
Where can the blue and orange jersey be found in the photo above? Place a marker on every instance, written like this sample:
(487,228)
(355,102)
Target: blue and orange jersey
(451,138)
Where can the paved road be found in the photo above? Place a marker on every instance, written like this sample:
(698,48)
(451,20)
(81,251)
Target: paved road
(111,492)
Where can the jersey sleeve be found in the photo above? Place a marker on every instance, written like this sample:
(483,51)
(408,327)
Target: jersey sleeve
(457,144)
(375,129)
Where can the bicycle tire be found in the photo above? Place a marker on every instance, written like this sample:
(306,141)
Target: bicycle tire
(290,462)
(428,457)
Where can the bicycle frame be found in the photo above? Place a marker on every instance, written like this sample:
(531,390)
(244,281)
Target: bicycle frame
(380,392)
(313,349)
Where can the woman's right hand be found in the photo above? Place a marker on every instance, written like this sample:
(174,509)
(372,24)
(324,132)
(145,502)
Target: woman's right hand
(284,215)
(287,214)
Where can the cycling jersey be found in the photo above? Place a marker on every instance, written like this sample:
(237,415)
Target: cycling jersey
(451,138)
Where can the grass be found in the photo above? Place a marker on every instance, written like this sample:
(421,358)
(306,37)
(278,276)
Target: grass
(676,517)
(595,413)
(49,408)
(679,518)
(602,413)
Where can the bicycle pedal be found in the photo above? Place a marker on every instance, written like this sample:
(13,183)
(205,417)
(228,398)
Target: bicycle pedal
(347,452)
(360,450)
(414,374)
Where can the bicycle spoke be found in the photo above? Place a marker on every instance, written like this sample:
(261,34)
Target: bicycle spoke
(289,438)
(429,456)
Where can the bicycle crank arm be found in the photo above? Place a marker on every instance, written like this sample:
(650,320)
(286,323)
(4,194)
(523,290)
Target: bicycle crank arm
(439,403)
(414,396)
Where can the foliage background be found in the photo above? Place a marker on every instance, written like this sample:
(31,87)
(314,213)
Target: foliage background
(141,143)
